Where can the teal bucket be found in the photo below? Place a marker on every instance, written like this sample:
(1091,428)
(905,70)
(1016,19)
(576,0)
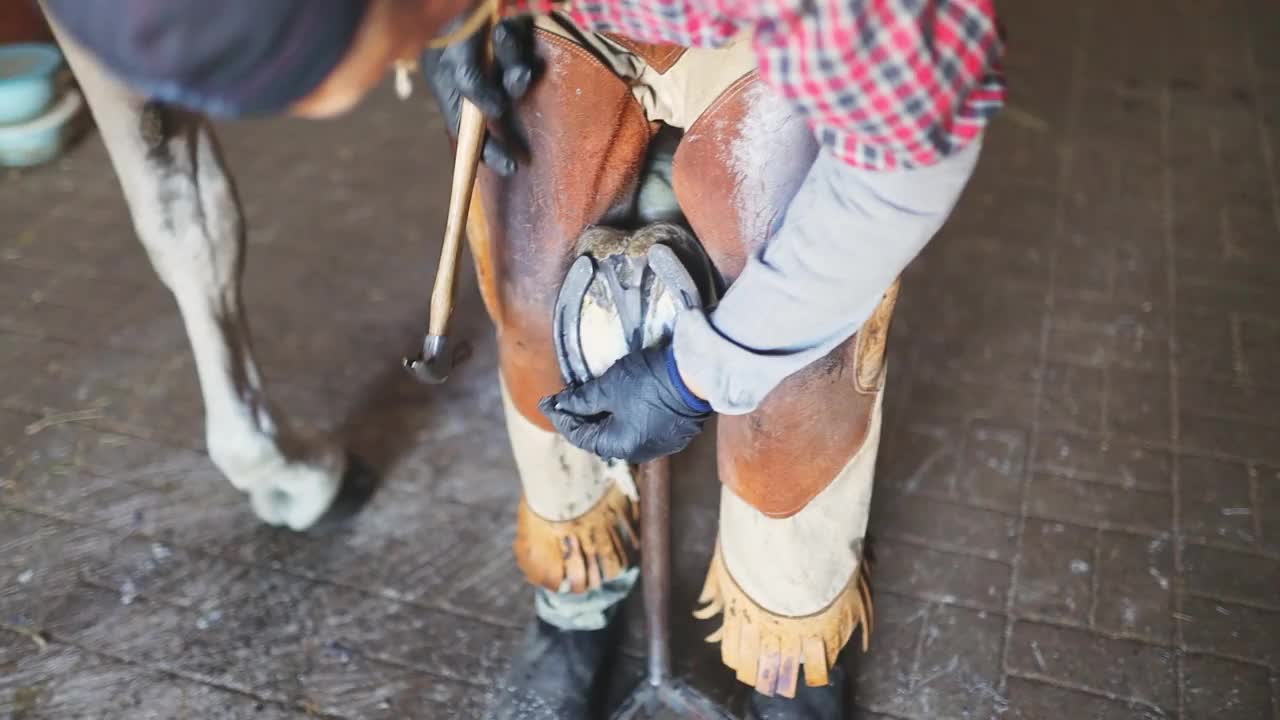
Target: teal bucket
(28,74)
(42,139)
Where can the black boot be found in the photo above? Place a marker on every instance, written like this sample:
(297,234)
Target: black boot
(557,674)
(810,703)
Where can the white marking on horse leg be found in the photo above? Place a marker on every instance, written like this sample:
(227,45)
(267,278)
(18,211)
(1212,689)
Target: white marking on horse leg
(187,216)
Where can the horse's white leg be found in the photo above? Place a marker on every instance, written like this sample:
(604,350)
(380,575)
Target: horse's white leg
(187,215)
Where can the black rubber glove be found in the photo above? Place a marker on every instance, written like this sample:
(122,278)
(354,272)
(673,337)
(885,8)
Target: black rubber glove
(638,410)
(459,71)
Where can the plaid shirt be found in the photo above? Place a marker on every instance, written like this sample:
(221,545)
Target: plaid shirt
(883,83)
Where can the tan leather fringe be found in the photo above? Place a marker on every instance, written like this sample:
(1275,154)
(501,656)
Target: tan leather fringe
(587,550)
(766,649)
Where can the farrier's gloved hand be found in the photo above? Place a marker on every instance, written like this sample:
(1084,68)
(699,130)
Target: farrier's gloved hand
(638,410)
(459,70)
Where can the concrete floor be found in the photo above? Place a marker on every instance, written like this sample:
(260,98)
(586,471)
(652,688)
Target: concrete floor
(1078,508)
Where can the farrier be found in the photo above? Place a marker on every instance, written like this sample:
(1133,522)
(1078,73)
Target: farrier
(797,154)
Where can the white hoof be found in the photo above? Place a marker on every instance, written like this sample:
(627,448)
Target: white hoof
(289,493)
(297,495)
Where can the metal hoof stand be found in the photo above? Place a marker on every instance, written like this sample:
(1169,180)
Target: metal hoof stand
(661,695)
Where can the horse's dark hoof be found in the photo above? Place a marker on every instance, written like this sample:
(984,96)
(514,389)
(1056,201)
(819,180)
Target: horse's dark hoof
(359,483)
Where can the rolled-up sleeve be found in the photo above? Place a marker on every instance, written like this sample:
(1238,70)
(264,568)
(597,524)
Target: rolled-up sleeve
(846,236)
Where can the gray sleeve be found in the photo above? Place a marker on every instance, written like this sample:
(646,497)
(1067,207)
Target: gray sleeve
(847,235)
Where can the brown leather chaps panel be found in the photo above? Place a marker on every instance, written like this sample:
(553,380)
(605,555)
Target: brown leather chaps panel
(587,138)
(783,454)
(730,195)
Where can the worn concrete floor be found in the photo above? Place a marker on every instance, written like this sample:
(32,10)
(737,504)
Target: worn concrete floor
(1078,509)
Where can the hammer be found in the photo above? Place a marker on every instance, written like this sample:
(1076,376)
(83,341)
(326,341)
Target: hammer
(436,361)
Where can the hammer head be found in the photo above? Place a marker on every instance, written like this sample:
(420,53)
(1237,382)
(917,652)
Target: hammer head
(435,363)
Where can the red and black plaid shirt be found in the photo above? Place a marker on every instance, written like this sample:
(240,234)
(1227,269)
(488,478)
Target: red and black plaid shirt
(884,83)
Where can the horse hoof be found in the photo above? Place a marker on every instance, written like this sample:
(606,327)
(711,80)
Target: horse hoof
(298,495)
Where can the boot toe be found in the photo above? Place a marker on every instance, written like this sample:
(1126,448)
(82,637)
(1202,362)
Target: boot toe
(810,703)
(555,675)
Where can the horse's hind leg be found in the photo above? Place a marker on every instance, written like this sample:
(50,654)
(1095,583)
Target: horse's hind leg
(188,218)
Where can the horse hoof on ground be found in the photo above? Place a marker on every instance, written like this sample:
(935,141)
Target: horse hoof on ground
(297,495)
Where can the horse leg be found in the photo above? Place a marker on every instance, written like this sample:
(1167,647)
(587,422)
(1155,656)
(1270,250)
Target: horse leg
(186,214)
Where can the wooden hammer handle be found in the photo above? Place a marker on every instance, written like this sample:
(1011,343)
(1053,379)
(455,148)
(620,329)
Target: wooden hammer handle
(470,142)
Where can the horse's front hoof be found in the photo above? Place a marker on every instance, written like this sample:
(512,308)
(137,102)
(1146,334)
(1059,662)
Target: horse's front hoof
(298,495)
